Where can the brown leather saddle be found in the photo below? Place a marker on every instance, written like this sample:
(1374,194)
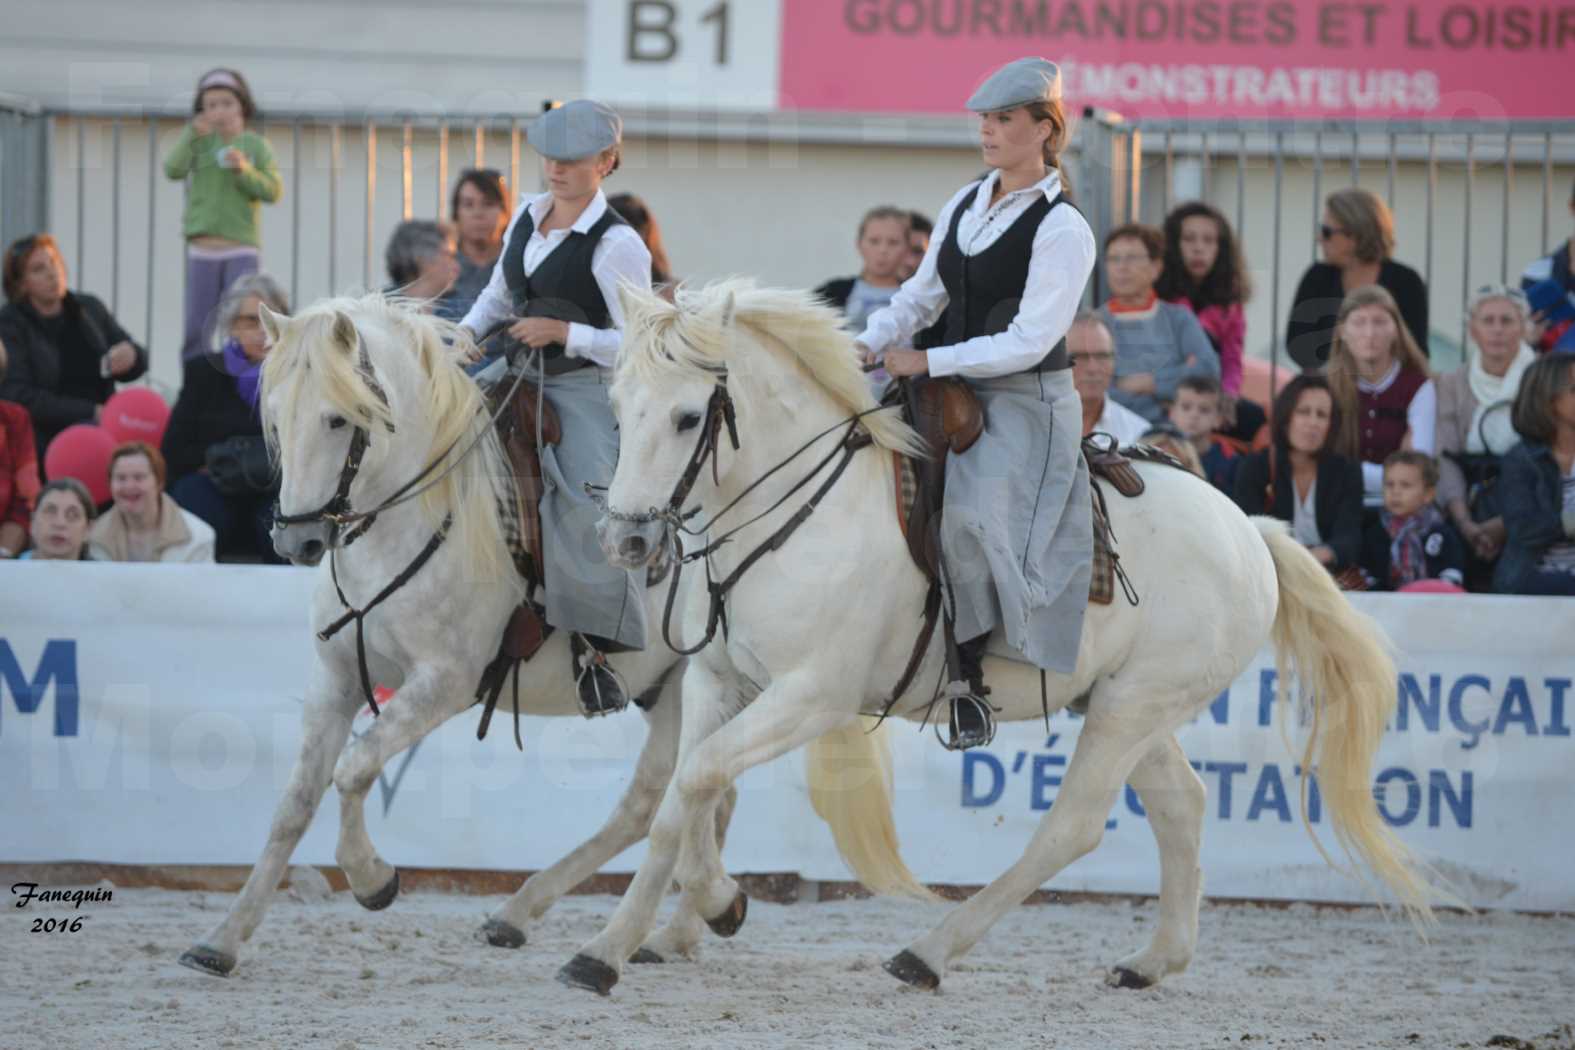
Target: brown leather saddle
(948,417)
(527,628)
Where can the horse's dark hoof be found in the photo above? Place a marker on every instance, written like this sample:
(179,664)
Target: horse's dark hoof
(729,922)
(502,934)
(910,969)
(647,956)
(207,960)
(1125,978)
(382,898)
(593,975)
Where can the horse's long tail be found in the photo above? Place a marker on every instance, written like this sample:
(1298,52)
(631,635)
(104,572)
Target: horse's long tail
(1339,658)
(850,786)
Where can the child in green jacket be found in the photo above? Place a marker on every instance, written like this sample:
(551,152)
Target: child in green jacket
(231,172)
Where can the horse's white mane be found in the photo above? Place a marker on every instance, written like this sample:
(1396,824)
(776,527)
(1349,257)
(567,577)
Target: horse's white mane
(692,334)
(321,346)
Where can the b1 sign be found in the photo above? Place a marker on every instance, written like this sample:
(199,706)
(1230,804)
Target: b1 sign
(684,54)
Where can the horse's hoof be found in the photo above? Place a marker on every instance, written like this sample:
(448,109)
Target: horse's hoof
(1121,977)
(207,960)
(910,969)
(646,955)
(382,898)
(729,922)
(502,934)
(593,975)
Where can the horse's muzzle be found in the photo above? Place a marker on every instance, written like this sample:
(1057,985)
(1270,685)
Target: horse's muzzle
(629,544)
(303,544)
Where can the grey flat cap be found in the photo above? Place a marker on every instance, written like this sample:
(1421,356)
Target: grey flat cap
(577,129)
(1017,84)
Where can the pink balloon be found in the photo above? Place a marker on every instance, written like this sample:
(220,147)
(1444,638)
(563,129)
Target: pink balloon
(82,451)
(1431,587)
(1260,382)
(136,413)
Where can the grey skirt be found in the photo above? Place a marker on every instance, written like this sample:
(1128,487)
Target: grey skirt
(1017,530)
(583,592)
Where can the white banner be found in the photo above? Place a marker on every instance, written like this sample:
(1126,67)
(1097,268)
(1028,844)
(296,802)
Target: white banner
(150,715)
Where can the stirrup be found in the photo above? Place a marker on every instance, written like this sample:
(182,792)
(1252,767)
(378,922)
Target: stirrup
(601,688)
(972,718)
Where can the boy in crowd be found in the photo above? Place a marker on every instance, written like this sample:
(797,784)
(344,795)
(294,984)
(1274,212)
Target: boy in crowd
(1196,412)
(1156,342)
(883,246)
(1411,540)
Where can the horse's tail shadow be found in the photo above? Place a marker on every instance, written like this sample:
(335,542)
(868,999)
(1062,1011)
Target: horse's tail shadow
(850,786)
(1340,659)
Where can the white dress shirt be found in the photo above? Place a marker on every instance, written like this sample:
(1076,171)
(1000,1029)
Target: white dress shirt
(1121,423)
(1063,257)
(620,257)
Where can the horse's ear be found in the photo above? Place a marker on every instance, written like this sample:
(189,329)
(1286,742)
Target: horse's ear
(344,331)
(272,323)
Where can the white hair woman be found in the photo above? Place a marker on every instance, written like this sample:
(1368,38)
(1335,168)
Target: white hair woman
(1009,272)
(564,256)
(1475,406)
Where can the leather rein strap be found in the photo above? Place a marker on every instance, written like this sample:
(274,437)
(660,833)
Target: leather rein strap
(720,412)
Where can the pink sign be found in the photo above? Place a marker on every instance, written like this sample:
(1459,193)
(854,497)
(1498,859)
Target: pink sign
(1190,58)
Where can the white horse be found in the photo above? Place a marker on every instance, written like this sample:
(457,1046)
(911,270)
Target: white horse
(822,625)
(377,375)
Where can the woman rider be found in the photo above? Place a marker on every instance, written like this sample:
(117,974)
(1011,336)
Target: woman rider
(1009,272)
(564,255)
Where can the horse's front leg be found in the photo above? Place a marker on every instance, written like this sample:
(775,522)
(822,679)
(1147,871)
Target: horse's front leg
(684,931)
(430,696)
(628,824)
(789,713)
(325,724)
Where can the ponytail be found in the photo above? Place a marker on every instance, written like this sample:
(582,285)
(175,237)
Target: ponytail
(1053,145)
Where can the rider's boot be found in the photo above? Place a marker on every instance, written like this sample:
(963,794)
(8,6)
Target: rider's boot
(602,690)
(972,717)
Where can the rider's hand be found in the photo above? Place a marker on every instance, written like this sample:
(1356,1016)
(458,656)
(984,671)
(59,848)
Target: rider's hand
(537,332)
(901,363)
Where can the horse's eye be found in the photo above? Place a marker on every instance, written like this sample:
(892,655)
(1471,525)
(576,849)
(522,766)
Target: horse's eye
(336,422)
(688,421)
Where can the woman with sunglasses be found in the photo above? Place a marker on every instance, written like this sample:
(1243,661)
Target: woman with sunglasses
(1357,236)
(67,351)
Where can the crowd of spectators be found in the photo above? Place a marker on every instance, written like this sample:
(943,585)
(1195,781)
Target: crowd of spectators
(1393,477)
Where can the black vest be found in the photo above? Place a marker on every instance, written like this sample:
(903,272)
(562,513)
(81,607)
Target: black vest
(985,290)
(562,287)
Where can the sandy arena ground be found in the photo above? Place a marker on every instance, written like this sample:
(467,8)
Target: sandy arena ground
(325,974)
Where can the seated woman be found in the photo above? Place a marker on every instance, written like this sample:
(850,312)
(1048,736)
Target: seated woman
(66,351)
(61,519)
(18,473)
(145,524)
(213,445)
(1474,429)
(1298,479)
(1380,382)
(1537,486)
(1008,274)
(422,266)
(1357,237)
(479,211)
